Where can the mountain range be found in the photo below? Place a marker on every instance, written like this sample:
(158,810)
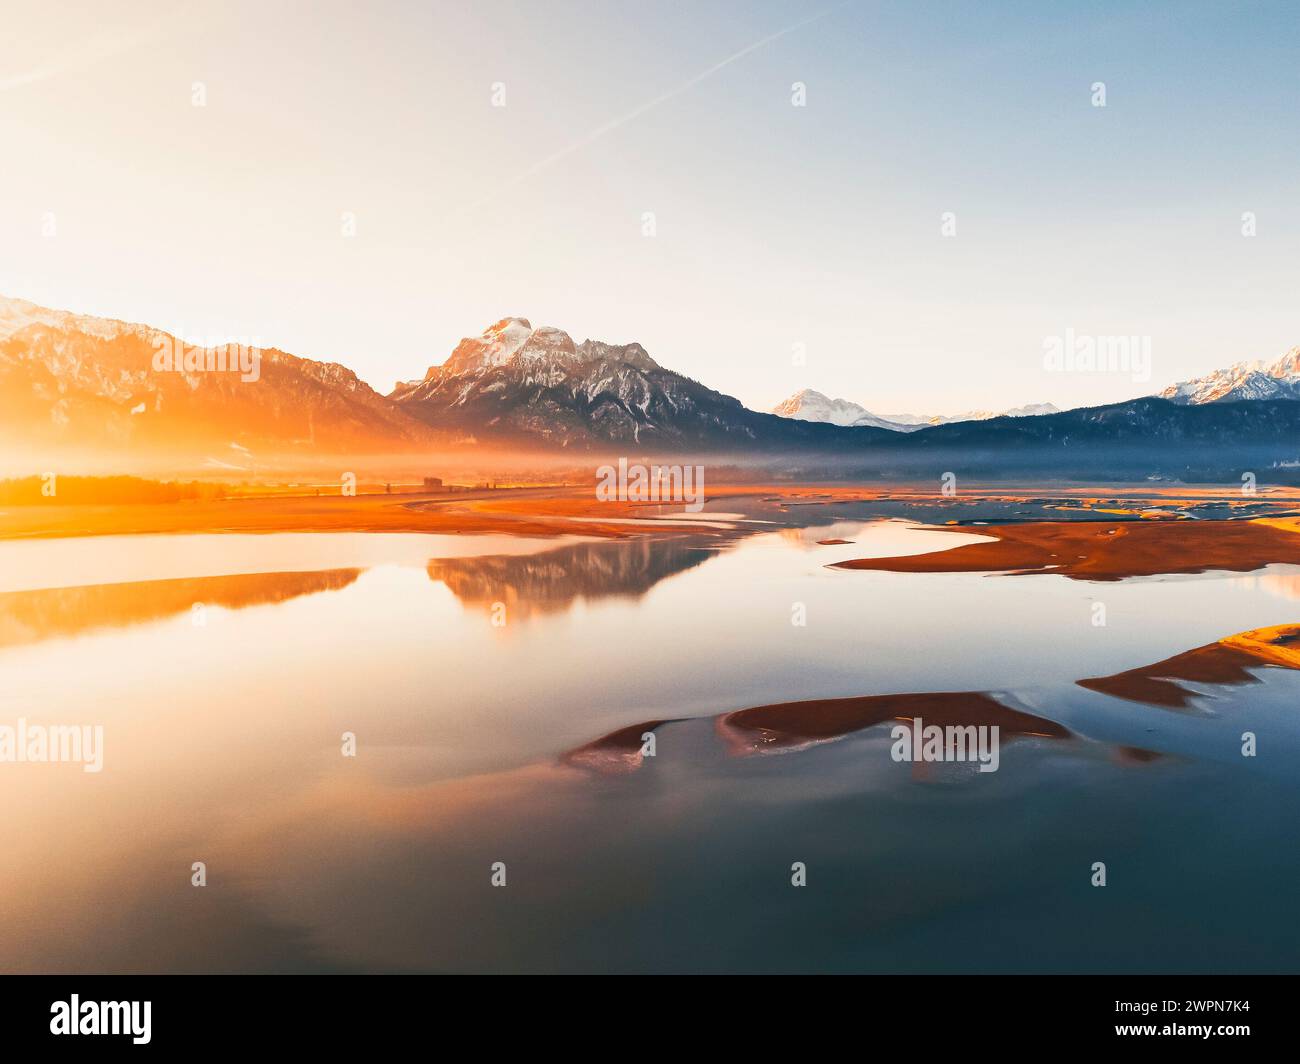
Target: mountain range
(526,385)
(808,405)
(68,378)
(1243,380)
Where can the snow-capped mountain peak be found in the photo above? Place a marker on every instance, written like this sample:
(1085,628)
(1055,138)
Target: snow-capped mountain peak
(18,314)
(541,354)
(546,343)
(495,347)
(85,381)
(528,382)
(1254,379)
(809,405)
(515,342)
(1032,410)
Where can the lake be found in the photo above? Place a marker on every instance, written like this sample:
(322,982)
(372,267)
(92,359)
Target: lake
(478,675)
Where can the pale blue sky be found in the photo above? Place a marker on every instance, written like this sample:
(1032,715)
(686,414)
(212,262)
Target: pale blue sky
(776,225)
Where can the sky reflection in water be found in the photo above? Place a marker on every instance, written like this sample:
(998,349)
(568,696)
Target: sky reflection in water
(222,745)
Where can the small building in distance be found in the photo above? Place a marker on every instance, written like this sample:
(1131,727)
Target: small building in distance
(433,484)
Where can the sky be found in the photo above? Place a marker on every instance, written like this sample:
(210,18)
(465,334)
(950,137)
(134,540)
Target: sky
(370,183)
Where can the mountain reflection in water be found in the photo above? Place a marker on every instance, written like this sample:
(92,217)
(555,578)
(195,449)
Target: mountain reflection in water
(552,580)
(526,744)
(49,613)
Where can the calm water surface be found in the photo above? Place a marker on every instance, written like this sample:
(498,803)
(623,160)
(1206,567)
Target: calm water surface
(223,725)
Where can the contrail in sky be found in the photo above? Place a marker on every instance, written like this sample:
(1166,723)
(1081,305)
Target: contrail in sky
(79,55)
(649,105)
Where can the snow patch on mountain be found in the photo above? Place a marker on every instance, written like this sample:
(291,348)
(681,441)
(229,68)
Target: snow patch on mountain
(1241,381)
(18,314)
(68,377)
(809,405)
(536,383)
(1028,410)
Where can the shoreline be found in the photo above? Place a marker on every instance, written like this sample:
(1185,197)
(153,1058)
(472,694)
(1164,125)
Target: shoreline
(540,512)
(795,725)
(1105,550)
(569,510)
